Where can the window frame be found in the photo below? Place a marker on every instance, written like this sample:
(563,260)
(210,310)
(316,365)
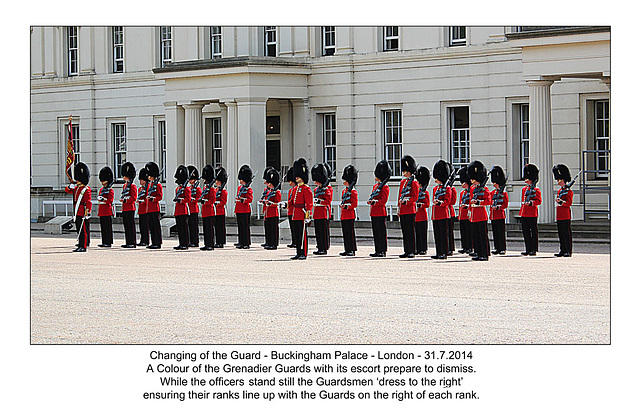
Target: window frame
(523,127)
(274,43)
(395,162)
(117,47)
(332,132)
(602,172)
(166,44)
(72,51)
(458,142)
(215,42)
(328,49)
(215,147)
(389,38)
(118,153)
(454,39)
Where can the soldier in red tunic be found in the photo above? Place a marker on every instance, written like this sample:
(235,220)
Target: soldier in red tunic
(105,206)
(271,212)
(82,201)
(423,175)
(322,196)
(244,197)
(143,220)
(302,203)
(194,209)
(220,207)
(440,210)
(265,191)
(466,235)
(348,206)
(499,203)
(452,212)
(564,200)
(480,198)
(290,193)
(531,199)
(407,197)
(378,208)
(128,199)
(181,212)
(207,200)
(154,196)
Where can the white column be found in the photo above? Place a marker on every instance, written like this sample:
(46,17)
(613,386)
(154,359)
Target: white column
(252,133)
(540,146)
(303,147)
(231,150)
(174,123)
(193,136)
(86,50)
(344,40)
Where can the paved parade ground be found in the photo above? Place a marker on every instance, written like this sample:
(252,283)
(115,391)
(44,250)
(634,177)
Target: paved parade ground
(255,296)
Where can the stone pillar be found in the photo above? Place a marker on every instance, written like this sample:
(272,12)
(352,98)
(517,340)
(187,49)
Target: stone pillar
(303,147)
(174,125)
(540,144)
(344,40)
(86,50)
(252,133)
(231,150)
(193,136)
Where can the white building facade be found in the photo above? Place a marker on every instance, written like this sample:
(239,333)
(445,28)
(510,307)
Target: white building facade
(343,95)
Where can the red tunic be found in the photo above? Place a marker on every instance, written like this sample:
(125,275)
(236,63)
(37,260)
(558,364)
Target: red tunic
(478,211)
(454,198)
(349,207)
(499,213)
(379,207)
(221,201)
(322,205)
(563,211)
(142,199)
(195,197)
(440,211)
(463,210)
(302,201)
(105,201)
(271,210)
(243,201)
(182,205)
(129,203)
(154,198)
(410,206)
(532,209)
(208,207)
(85,200)
(290,195)
(423,205)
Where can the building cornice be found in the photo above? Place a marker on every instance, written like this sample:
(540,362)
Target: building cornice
(232,62)
(560,31)
(93,80)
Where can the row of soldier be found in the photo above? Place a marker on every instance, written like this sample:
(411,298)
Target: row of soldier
(304,205)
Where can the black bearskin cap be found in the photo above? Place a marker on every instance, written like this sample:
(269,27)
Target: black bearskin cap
(561,171)
(193,172)
(301,170)
(441,171)
(245,173)
(477,171)
(152,169)
(531,172)
(382,170)
(463,174)
(408,164)
(272,176)
(350,174)
(498,176)
(289,176)
(266,171)
(81,173)
(221,174)
(182,174)
(423,176)
(319,173)
(142,174)
(208,174)
(106,174)
(129,170)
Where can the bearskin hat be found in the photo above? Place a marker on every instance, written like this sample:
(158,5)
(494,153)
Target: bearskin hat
(221,175)
(408,164)
(561,171)
(382,170)
(301,170)
(208,174)
(464,175)
(477,171)
(129,170)
(245,173)
(531,172)
(266,171)
(498,176)
(106,175)
(350,174)
(182,174)
(441,171)
(319,173)
(272,176)
(143,175)
(423,175)
(289,176)
(81,173)
(193,172)
(152,169)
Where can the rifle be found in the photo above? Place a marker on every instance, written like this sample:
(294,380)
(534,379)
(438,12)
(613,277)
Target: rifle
(452,178)
(531,191)
(125,191)
(180,191)
(479,190)
(406,190)
(244,188)
(499,198)
(205,192)
(565,189)
(347,195)
(377,190)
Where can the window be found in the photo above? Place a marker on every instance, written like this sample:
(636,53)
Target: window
(270,41)
(162,137)
(165,45)
(602,137)
(390,38)
(329,140)
(72,51)
(457,35)
(118,49)
(523,133)
(118,130)
(217,142)
(216,41)
(328,40)
(392,129)
(459,136)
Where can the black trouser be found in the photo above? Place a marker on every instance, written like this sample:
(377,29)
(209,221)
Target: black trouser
(466,239)
(421,236)
(481,238)
(322,233)
(129,227)
(450,226)
(183,229)
(106,230)
(299,237)
(293,236)
(379,227)
(194,238)
(143,221)
(271,235)
(407,223)
(499,234)
(530,233)
(220,228)
(349,235)
(564,233)
(441,236)
(84,233)
(208,231)
(244,232)
(154,228)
